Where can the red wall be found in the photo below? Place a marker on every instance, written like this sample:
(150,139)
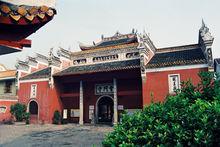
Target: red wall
(129,95)
(158,85)
(47,99)
(7,115)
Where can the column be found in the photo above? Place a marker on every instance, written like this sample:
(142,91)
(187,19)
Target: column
(115,102)
(81,103)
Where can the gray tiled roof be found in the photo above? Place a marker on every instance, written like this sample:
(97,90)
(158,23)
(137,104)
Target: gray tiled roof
(44,73)
(178,57)
(117,42)
(102,67)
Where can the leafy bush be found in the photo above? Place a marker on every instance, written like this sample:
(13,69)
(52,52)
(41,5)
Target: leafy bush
(18,110)
(27,118)
(56,117)
(191,118)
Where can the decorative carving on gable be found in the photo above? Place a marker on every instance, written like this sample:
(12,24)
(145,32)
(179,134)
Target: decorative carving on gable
(204,33)
(64,53)
(2,68)
(132,55)
(105,58)
(146,51)
(79,61)
(205,42)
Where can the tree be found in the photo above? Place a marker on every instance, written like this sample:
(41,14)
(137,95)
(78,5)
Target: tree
(191,118)
(18,110)
(56,117)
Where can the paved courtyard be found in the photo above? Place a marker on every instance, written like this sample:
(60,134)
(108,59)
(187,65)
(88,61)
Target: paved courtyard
(70,135)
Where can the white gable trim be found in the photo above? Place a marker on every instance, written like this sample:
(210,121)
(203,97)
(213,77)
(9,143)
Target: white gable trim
(34,80)
(7,100)
(177,68)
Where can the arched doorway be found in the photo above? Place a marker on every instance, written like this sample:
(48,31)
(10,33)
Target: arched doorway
(33,108)
(105,109)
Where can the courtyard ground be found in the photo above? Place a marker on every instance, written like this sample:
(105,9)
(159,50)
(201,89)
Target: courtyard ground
(72,135)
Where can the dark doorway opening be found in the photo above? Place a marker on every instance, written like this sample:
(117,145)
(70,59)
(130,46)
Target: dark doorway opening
(105,110)
(33,108)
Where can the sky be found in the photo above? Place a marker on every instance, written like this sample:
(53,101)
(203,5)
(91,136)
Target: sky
(168,22)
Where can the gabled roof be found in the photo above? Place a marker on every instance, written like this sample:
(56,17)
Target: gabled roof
(102,67)
(44,73)
(117,47)
(117,39)
(174,57)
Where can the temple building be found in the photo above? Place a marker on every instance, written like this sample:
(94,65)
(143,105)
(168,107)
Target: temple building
(8,92)
(122,72)
(21,18)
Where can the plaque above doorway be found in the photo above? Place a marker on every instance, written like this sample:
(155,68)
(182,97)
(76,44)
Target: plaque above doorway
(102,89)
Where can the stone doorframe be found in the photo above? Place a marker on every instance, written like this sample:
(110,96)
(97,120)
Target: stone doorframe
(38,108)
(97,103)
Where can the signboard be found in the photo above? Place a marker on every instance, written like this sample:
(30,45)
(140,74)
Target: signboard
(74,113)
(101,89)
(91,107)
(120,107)
(33,91)
(64,113)
(91,113)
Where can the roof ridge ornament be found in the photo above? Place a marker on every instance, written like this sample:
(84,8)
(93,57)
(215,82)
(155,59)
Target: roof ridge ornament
(205,33)
(145,41)
(203,23)
(206,41)
(117,34)
(50,58)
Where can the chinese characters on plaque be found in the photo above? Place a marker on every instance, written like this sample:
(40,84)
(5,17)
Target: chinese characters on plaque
(101,89)
(33,91)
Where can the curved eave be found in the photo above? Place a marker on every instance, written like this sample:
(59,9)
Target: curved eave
(9,20)
(7,50)
(98,71)
(48,3)
(24,15)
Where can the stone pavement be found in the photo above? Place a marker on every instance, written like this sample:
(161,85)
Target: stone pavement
(70,135)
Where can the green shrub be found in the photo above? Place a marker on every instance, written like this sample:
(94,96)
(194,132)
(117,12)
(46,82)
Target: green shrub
(27,118)
(191,118)
(18,110)
(56,117)
(176,122)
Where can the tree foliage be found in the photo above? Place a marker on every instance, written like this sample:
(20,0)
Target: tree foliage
(56,117)
(18,110)
(191,118)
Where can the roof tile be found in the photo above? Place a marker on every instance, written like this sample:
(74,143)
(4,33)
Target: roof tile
(102,67)
(44,73)
(175,58)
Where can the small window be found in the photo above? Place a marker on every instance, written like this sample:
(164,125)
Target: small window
(8,86)
(33,91)
(174,83)
(3,109)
